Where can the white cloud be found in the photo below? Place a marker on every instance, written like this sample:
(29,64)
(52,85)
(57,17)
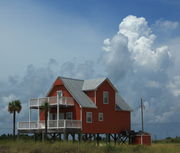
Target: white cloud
(153,84)
(174,86)
(140,43)
(132,50)
(117,56)
(166,25)
(146,69)
(76,69)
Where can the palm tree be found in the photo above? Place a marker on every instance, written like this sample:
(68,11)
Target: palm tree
(45,108)
(13,107)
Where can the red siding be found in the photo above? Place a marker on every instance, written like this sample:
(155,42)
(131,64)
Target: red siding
(114,121)
(91,95)
(142,139)
(58,85)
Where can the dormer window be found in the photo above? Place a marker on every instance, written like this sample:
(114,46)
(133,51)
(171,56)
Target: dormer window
(105,97)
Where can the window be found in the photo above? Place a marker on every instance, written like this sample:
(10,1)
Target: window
(61,116)
(88,117)
(100,116)
(105,97)
(52,116)
(69,115)
(59,93)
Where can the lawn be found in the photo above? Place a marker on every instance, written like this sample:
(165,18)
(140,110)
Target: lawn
(27,146)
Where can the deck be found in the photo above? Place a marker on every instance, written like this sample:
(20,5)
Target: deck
(53,101)
(52,126)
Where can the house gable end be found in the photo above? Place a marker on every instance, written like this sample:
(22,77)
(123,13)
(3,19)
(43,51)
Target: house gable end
(109,82)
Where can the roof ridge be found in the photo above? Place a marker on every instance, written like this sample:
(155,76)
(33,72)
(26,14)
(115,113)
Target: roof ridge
(96,78)
(70,78)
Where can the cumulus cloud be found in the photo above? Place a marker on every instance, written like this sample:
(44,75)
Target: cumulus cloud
(141,68)
(132,49)
(117,57)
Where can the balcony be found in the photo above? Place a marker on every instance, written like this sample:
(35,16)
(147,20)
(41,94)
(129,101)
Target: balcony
(38,102)
(51,125)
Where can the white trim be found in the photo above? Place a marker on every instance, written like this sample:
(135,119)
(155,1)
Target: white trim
(87,117)
(38,113)
(141,139)
(59,91)
(95,96)
(105,93)
(29,113)
(57,108)
(48,114)
(100,115)
(81,115)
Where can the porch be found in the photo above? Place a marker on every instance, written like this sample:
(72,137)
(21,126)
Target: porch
(53,101)
(52,125)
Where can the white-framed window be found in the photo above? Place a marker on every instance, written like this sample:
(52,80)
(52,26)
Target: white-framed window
(52,116)
(88,117)
(105,97)
(59,93)
(100,117)
(69,115)
(61,116)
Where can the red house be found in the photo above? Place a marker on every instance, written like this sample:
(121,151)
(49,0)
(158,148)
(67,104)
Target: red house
(80,106)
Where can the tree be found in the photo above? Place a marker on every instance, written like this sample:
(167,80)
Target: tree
(13,107)
(45,109)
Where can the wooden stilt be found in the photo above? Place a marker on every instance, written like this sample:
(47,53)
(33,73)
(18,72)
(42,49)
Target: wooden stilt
(42,137)
(97,138)
(108,138)
(73,137)
(60,137)
(115,138)
(65,136)
(79,137)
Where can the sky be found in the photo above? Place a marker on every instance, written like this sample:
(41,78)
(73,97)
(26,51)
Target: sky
(134,43)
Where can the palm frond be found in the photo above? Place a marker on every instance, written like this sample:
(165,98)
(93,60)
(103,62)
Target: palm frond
(14,105)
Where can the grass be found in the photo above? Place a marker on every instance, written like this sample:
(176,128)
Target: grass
(28,146)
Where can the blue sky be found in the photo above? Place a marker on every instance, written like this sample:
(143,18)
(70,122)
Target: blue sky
(81,23)
(133,42)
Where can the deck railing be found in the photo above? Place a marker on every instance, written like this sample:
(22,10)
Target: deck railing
(52,124)
(35,102)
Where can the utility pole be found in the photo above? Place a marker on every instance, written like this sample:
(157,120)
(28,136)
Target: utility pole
(142,120)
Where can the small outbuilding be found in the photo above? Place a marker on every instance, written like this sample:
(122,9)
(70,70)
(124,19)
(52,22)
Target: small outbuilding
(142,138)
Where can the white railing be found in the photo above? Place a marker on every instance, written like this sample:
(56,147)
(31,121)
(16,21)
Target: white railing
(35,102)
(52,124)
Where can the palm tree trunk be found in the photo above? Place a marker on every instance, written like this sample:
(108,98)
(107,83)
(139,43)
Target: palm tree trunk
(14,124)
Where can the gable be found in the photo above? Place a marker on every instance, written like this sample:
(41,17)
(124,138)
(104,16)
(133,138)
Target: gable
(74,87)
(92,84)
(95,83)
